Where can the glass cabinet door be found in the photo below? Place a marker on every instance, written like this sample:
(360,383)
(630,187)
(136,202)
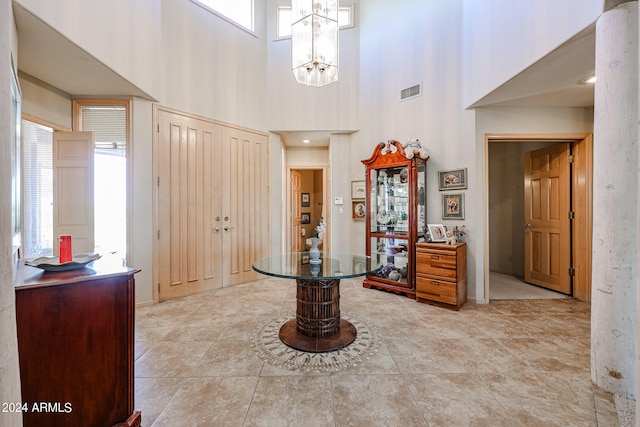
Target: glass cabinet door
(390,200)
(422,196)
(389,221)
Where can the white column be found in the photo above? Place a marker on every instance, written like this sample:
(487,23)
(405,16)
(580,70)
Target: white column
(615,203)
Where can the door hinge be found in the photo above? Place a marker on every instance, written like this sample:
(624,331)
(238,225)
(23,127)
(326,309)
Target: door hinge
(158,234)
(570,158)
(158,127)
(158,287)
(572,215)
(572,271)
(158,181)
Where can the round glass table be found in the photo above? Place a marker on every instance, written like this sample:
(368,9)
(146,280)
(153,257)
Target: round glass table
(317,327)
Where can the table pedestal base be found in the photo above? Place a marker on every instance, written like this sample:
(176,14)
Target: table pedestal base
(317,327)
(293,338)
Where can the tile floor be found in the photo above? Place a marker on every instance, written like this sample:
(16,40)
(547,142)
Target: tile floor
(506,286)
(507,363)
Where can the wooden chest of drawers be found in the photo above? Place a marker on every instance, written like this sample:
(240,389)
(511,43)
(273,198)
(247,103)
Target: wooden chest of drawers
(441,274)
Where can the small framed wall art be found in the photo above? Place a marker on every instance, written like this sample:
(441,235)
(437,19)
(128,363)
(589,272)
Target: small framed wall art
(455,179)
(306,200)
(306,218)
(453,206)
(358,190)
(358,211)
(437,232)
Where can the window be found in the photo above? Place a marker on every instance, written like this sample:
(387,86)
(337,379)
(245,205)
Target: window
(108,120)
(37,167)
(237,11)
(283,19)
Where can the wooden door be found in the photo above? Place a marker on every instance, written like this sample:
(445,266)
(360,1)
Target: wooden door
(298,244)
(547,223)
(73,194)
(189,206)
(245,201)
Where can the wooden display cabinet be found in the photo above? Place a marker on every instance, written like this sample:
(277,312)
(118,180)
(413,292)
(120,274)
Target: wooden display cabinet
(396,216)
(442,274)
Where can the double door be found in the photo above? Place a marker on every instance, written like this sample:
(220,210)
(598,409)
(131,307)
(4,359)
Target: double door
(212,204)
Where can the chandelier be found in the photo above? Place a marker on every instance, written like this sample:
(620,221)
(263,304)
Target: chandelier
(314,41)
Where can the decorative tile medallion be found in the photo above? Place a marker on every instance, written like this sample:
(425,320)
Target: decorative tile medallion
(267,344)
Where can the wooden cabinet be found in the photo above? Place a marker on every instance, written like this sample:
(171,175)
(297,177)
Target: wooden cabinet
(396,216)
(75,345)
(441,274)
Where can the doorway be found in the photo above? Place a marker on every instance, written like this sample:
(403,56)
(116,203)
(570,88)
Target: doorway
(307,200)
(505,233)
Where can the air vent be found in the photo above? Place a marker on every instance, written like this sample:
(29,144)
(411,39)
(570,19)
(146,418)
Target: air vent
(411,92)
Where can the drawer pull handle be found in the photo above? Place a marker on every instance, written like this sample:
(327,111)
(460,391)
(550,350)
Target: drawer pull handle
(435,257)
(435,283)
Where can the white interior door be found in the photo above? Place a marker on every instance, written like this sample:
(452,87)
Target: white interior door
(73,191)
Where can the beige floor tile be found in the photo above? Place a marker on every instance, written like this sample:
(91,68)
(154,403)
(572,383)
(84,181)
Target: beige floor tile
(457,400)
(170,359)
(380,363)
(291,401)
(207,402)
(229,358)
(427,356)
(196,329)
(548,399)
(484,355)
(374,400)
(545,355)
(243,326)
(152,395)
(501,326)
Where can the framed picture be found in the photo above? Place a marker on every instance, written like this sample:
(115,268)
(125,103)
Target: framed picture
(453,206)
(306,217)
(437,232)
(455,179)
(359,264)
(305,259)
(306,200)
(358,190)
(358,210)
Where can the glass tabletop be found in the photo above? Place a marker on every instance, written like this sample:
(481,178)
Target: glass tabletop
(333,265)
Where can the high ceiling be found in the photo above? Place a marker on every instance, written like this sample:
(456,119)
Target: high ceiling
(553,81)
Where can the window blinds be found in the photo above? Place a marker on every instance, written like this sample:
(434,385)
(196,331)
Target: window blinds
(109,125)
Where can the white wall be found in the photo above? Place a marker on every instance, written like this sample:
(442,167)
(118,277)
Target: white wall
(278,195)
(141,250)
(210,67)
(404,43)
(9,371)
(45,102)
(90,25)
(519,33)
(342,238)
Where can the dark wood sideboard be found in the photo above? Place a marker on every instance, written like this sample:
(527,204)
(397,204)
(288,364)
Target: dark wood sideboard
(76,345)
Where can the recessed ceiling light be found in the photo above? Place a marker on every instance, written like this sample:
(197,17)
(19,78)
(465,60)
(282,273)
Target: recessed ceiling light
(588,80)
(306,141)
